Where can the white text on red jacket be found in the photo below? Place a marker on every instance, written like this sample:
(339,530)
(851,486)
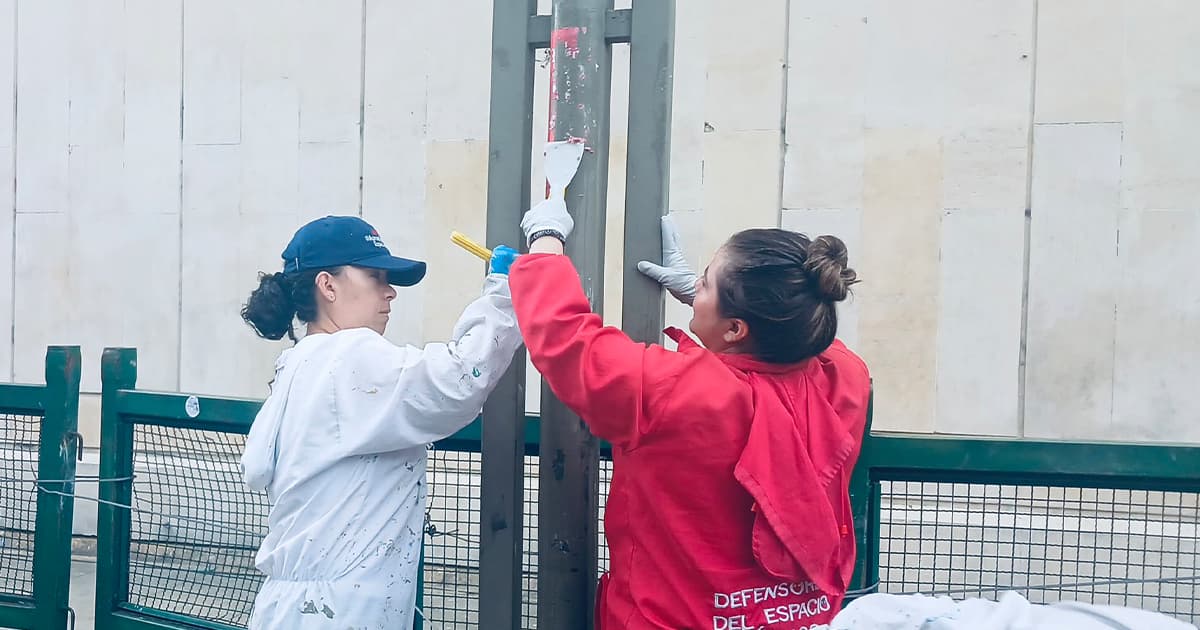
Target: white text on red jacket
(774,613)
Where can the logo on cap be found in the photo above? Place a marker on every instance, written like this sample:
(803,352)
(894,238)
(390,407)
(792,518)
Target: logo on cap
(374,238)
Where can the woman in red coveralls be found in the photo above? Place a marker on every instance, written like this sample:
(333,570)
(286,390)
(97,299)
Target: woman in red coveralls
(729,504)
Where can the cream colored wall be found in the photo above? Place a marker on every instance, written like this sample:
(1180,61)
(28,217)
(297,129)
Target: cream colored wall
(163,152)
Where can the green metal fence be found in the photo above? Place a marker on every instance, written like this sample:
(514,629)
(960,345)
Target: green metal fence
(177,528)
(1106,523)
(1094,522)
(38,448)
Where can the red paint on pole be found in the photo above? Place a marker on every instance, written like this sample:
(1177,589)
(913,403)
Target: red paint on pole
(568,39)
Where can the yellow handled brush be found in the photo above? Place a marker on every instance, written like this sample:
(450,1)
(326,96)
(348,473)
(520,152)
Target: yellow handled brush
(465,242)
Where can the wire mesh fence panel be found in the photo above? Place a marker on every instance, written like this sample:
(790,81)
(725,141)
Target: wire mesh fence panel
(1135,548)
(605,485)
(451,595)
(195,527)
(19,436)
(529,559)
(529,555)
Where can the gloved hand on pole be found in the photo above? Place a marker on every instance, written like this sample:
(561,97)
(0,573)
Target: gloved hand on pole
(674,274)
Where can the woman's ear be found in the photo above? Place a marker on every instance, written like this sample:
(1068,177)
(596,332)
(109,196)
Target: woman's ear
(736,332)
(326,291)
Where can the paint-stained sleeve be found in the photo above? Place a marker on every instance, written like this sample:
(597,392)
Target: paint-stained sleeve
(616,385)
(389,397)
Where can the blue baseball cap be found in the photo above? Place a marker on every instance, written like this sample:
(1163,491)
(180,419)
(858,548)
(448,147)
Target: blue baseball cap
(335,241)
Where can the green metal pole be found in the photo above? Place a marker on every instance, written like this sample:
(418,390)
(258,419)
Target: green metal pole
(118,371)
(55,501)
(502,442)
(419,616)
(648,163)
(861,503)
(569,463)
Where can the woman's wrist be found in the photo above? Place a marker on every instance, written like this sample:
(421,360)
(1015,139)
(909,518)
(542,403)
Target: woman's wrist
(549,244)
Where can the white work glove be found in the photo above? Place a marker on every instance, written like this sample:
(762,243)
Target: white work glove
(548,217)
(674,274)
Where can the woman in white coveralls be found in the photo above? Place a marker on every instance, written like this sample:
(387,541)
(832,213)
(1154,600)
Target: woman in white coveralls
(339,445)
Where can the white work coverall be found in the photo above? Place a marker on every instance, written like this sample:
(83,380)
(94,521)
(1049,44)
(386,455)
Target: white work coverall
(339,446)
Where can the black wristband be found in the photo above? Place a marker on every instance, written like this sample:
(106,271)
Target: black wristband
(547,232)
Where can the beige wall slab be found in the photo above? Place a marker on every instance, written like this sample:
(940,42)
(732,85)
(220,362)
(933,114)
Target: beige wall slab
(394,161)
(328,178)
(689,86)
(7,294)
(212,63)
(219,353)
(43,111)
(8,78)
(456,200)
(8,34)
(988,47)
(269,140)
(217,350)
(823,161)
(987,168)
(901,234)
(129,260)
(1080,60)
(1072,270)
(96,54)
(615,265)
(1159,168)
(747,50)
(979,321)
(1157,350)
(906,64)
(329,38)
(43,285)
(270,111)
(458,69)
(153,78)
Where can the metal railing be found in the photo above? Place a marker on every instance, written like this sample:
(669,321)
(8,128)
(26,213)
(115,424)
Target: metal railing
(1105,523)
(39,444)
(177,528)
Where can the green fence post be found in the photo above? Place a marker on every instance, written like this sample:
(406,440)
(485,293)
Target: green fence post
(419,617)
(863,495)
(510,139)
(118,371)
(647,162)
(57,449)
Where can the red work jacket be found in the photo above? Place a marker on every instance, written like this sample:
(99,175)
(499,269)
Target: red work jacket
(729,504)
